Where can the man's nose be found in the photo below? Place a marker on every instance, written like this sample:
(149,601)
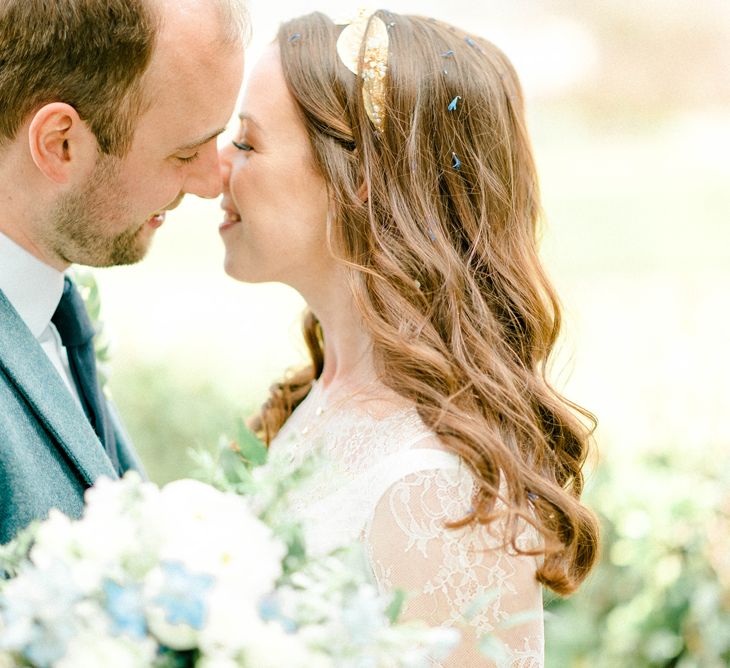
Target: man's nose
(205,180)
(224,162)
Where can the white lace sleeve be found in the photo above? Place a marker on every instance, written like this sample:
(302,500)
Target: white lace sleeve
(447,570)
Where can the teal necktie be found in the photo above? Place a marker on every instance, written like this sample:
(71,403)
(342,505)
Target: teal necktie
(77,335)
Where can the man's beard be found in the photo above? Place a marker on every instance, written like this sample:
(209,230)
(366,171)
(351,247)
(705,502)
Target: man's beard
(81,220)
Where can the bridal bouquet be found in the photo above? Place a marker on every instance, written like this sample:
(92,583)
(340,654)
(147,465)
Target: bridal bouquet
(205,574)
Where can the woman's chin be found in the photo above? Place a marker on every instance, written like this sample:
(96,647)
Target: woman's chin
(233,268)
(239,270)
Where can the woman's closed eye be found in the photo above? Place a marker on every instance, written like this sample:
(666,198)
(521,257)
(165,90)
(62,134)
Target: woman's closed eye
(241,146)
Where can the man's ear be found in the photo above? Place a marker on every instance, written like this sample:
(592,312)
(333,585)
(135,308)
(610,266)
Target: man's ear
(61,145)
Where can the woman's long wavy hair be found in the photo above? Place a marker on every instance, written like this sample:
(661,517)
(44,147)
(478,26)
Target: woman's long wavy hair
(437,219)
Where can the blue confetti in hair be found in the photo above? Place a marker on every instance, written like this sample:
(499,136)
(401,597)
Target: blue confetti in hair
(431,234)
(473,44)
(448,54)
(295,37)
(455,162)
(454,103)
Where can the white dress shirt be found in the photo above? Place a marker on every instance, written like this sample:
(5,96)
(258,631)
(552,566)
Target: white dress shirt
(34,289)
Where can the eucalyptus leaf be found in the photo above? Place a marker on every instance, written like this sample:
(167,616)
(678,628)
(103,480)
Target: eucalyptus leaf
(393,611)
(479,603)
(251,448)
(493,648)
(518,619)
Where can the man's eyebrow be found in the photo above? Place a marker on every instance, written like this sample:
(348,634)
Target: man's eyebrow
(200,142)
(250,119)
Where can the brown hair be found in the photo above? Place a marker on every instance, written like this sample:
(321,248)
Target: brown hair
(90,54)
(445,270)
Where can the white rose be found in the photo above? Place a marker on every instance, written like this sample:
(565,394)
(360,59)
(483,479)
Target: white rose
(216,533)
(54,540)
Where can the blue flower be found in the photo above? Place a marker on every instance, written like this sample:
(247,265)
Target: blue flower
(183,595)
(48,645)
(270,610)
(126,608)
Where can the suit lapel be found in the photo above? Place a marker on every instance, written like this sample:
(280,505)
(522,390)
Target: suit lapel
(37,381)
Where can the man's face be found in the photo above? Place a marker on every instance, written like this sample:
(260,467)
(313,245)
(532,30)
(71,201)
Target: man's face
(191,85)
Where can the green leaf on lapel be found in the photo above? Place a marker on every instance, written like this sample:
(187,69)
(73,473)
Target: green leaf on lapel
(89,290)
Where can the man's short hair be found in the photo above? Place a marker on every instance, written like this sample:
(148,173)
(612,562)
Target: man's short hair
(90,54)
(235,21)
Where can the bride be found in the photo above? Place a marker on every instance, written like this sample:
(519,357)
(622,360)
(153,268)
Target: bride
(383,170)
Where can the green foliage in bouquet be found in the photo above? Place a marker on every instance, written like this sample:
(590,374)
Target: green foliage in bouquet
(660,597)
(14,553)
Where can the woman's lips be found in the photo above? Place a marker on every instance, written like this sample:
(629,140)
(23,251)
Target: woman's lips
(230,219)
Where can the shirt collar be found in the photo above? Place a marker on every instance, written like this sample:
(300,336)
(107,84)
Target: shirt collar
(31,286)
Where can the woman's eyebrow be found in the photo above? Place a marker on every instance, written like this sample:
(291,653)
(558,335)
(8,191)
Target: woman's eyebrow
(248,118)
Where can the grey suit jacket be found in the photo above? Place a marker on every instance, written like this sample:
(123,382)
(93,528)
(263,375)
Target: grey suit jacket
(49,453)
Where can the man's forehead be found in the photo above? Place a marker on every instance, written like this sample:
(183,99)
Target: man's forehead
(203,140)
(184,21)
(190,80)
(188,39)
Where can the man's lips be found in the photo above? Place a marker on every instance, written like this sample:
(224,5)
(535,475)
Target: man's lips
(156,220)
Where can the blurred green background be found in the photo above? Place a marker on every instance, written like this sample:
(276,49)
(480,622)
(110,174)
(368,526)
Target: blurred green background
(629,108)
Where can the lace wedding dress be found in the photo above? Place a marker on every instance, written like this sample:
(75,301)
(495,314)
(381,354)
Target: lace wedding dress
(388,482)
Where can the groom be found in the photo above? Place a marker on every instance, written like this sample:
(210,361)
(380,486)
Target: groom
(109,113)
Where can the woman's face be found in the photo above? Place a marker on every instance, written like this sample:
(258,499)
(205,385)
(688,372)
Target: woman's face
(275,201)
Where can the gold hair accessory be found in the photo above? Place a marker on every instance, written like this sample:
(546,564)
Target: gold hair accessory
(373,33)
